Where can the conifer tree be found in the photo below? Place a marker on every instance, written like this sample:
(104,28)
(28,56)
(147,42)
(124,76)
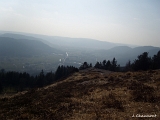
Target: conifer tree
(156,61)
(143,62)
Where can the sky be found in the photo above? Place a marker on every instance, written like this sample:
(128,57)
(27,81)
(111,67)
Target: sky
(120,21)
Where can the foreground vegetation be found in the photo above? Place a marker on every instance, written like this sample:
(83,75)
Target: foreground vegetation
(90,94)
(15,81)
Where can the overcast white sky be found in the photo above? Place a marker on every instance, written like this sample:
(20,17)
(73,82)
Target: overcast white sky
(121,21)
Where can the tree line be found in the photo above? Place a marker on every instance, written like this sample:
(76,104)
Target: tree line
(15,81)
(143,62)
(106,65)
(20,81)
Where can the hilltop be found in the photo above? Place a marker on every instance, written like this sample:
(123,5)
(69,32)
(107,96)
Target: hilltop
(90,94)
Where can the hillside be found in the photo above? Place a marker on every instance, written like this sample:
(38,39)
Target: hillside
(65,41)
(21,36)
(18,36)
(11,47)
(90,94)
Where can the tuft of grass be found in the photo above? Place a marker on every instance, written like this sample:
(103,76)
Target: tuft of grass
(111,79)
(151,71)
(96,77)
(106,77)
(142,92)
(110,101)
(128,74)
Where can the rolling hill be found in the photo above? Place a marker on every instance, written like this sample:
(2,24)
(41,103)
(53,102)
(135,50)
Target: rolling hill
(90,94)
(83,43)
(10,47)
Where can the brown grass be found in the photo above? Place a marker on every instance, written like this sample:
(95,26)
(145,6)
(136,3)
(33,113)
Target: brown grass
(89,95)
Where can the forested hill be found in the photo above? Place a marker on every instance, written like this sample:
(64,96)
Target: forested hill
(11,47)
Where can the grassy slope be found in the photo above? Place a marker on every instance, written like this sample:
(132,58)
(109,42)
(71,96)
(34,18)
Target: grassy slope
(91,95)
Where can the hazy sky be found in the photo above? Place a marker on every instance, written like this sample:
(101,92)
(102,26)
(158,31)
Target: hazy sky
(120,21)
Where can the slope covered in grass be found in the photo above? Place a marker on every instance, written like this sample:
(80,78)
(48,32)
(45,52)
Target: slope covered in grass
(90,94)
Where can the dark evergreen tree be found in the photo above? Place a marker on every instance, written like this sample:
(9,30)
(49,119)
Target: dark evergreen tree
(50,77)
(104,64)
(2,71)
(41,79)
(1,88)
(100,66)
(90,65)
(84,66)
(143,62)
(97,65)
(113,65)
(156,61)
(108,65)
(77,70)
(58,72)
(128,66)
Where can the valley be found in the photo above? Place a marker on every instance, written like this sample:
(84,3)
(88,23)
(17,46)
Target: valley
(24,53)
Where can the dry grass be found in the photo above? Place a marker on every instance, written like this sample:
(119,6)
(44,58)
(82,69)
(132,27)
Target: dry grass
(89,95)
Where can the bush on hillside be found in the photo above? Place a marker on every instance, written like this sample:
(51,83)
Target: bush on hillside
(142,93)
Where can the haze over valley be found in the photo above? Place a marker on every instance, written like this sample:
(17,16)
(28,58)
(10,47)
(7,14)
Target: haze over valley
(32,52)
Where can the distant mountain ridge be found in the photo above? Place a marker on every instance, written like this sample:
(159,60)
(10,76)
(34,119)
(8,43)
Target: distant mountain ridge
(136,50)
(23,48)
(18,36)
(66,41)
(79,49)
(123,53)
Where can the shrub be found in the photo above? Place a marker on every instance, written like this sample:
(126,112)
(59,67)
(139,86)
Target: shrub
(143,93)
(106,77)
(128,74)
(134,85)
(110,101)
(111,78)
